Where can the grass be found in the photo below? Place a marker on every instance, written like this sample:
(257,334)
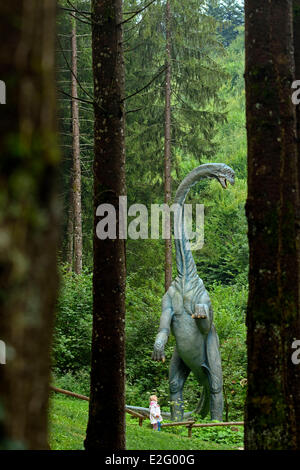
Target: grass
(68,418)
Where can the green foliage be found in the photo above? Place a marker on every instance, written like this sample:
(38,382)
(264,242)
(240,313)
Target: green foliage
(77,381)
(72,342)
(224,256)
(230,15)
(229,305)
(230,435)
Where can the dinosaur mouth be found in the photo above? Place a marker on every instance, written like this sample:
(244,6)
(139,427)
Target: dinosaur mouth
(223,181)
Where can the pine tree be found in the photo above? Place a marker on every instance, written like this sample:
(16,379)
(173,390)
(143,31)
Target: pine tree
(196,105)
(76,174)
(230,14)
(83,82)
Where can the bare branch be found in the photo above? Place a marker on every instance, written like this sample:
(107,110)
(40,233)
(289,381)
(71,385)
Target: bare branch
(138,11)
(134,48)
(74,98)
(83,14)
(146,86)
(70,69)
(81,21)
(80,12)
(133,110)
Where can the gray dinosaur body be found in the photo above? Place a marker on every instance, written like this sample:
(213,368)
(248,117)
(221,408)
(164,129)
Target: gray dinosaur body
(187,311)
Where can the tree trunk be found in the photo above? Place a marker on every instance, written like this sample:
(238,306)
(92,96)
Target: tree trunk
(70,227)
(272,317)
(76,160)
(296,11)
(29,208)
(106,425)
(296,379)
(167,160)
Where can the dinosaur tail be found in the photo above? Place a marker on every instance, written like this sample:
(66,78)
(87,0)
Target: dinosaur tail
(203,404)
(202,408)
(145,412)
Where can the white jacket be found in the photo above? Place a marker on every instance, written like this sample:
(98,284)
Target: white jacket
(154,412)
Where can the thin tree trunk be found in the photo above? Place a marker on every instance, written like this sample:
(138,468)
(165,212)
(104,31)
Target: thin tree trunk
(106,425)
(272,316)
(29,208)
(70,227)
(167,160)
(76,159)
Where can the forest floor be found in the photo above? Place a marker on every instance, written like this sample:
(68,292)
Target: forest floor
(68,421)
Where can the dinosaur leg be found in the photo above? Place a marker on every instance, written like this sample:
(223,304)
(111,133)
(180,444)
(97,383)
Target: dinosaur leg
(178,374)
(216,405)
(214,373)
(203,406)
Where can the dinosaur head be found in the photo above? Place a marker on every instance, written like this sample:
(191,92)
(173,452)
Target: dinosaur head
(223,173)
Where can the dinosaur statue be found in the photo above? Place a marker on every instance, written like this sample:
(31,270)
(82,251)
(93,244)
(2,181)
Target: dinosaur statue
(187,311)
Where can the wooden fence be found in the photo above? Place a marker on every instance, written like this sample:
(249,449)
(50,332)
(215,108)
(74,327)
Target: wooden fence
(190,425)
(83,397)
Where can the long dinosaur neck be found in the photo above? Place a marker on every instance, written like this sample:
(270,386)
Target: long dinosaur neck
(184,259)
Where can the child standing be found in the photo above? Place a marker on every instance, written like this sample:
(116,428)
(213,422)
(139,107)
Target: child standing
(155,414)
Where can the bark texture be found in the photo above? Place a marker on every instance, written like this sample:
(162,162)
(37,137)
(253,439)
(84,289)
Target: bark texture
(296,372)
(296,12)
(29,219)
(272,410)
(106,425)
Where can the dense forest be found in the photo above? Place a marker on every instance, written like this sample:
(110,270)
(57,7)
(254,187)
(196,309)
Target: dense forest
(209,125)
(106,101)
